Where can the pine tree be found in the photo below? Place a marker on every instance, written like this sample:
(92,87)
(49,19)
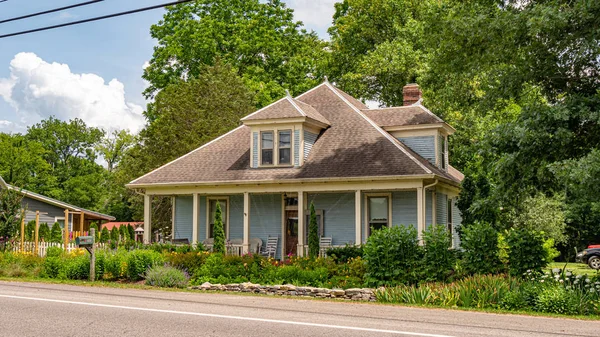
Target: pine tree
(123,233)
(44,232)
(97,235)
(219,233)
(56,233)
(313,233)
(114,234)
(30,231)
(104,235)
(131,231)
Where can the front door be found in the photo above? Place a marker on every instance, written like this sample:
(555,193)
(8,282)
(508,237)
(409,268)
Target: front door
(291,232)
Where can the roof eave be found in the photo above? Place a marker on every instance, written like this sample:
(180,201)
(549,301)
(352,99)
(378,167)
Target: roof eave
(291,181)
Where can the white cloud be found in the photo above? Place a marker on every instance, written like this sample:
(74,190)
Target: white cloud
(37,89)
(315,14)
(145,65)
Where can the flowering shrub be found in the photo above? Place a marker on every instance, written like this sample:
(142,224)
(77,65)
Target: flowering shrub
(167,277)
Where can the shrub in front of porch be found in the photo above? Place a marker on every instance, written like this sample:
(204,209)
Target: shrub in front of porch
(439,261)
(393,256)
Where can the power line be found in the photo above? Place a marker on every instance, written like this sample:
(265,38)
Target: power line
(94,19)
(50,11)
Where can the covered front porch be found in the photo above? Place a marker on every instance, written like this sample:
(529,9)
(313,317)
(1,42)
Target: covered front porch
(344,214)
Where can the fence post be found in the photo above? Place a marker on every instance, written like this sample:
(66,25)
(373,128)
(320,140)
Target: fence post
(93,255)
(22,232)
(37,231)
(66,230)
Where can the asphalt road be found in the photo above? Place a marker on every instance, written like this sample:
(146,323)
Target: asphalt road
(32,309)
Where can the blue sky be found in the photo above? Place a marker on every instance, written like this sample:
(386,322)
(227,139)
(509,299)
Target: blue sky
(92,71)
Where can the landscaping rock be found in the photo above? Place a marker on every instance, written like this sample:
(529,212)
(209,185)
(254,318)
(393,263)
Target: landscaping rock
(354,294)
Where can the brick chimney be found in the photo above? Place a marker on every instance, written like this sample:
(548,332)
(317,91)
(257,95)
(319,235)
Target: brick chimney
(412,93)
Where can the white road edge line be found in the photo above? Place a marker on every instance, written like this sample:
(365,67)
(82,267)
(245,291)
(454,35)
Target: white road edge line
(396,332)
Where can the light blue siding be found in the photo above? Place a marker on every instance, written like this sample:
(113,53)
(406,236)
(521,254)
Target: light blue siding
(236,216)
(309,140)
(423,145)
(404,208)
(296,147)
(183,217)
(255,149)
(338,215)
(428,209)
(266,217)
(441,205)
(202,220)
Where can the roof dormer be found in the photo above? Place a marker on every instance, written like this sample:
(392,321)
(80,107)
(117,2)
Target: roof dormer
(416,126)
(283,133)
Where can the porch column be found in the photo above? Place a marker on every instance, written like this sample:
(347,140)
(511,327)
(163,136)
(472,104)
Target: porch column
(147,218)
(195,218)
(420,212)
(173,218)
(301,225)
(246,239)
(358,217)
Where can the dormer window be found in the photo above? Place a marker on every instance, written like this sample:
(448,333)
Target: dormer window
(266,147)
(285,147)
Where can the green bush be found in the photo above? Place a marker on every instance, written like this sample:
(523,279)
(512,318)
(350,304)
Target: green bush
(115,264)
(525,251)
(189,262)
(392,256)
(54,252)
(104,235)
(480,249)
(44,232)
(556,300)
(515,300)
(56,233)
(30,231)
(218,231)
(343,254)
(138,261)
(438,259)
(75,268)
(166,277)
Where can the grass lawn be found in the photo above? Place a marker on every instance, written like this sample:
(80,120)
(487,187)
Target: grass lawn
(576,268)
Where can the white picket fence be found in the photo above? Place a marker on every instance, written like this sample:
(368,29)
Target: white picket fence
(43,247)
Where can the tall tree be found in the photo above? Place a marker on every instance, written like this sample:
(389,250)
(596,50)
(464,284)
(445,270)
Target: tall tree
(260,39)
(71,154)
(10,213)
(191,114)
(113,147)
(313,233)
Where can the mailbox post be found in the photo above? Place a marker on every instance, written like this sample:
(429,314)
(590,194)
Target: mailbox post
(87,242)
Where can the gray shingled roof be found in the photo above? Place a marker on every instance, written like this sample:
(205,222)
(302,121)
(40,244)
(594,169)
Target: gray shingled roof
(400,116)
(287,107)
(353,146)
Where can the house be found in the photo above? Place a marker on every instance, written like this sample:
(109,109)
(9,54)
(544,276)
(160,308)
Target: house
(362,168)
(52,210)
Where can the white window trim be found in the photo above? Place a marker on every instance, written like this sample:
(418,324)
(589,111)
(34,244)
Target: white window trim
(260,148)
(366,208)
(275,132)
(291,147)
(208,199)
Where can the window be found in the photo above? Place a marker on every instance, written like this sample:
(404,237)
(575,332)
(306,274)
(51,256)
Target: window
(285,147)
(378,212)
(212,204)
(443,152)
(266,147)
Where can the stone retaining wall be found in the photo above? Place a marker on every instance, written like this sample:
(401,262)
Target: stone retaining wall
(355,294)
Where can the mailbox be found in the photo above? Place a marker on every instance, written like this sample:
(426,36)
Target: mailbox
(84,241)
